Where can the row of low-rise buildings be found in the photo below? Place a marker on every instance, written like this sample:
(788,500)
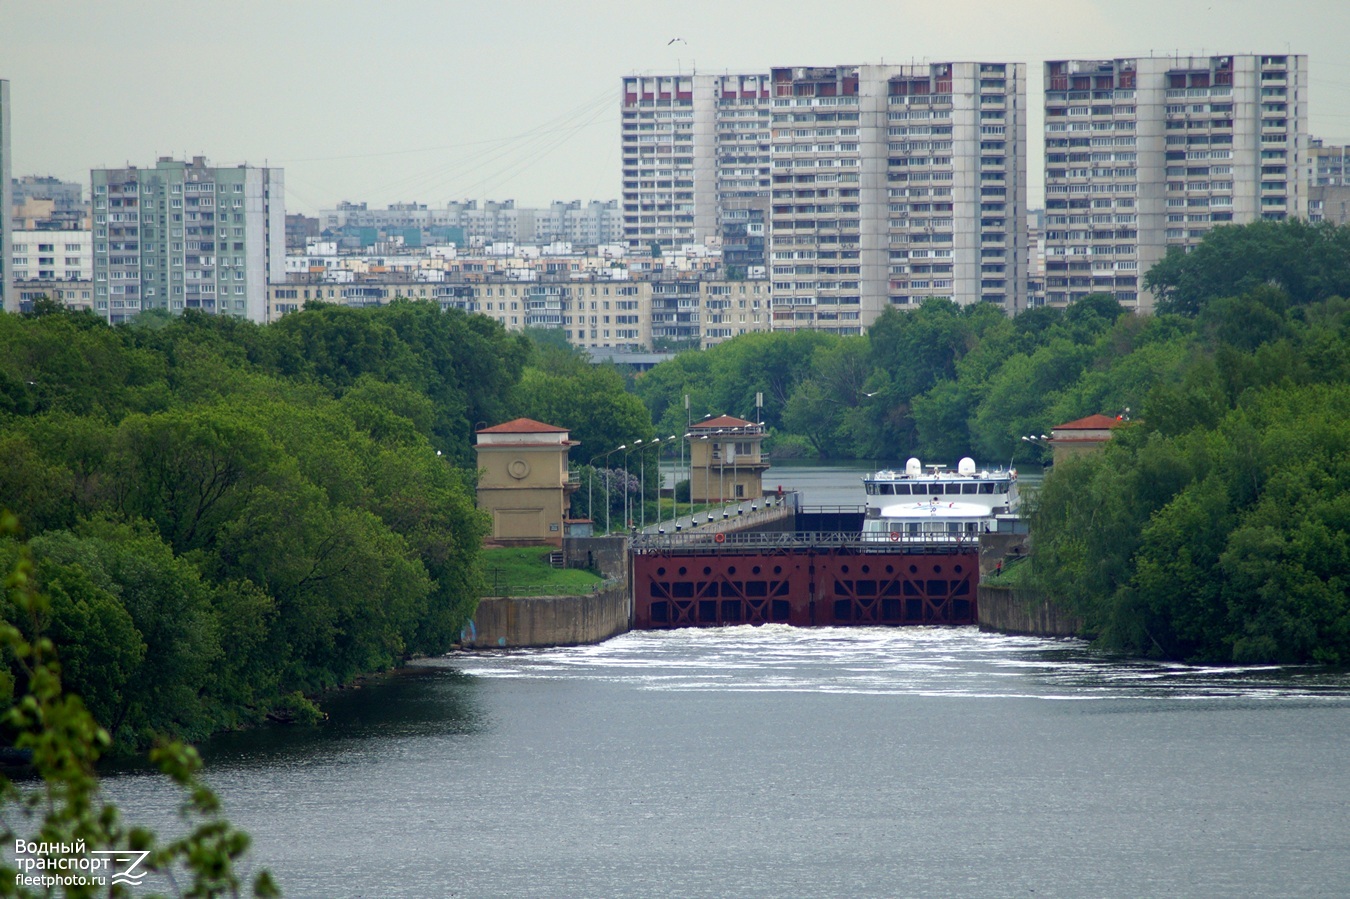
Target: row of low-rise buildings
(356,226)
(604,298)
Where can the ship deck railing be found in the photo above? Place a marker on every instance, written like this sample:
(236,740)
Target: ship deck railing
(707,541)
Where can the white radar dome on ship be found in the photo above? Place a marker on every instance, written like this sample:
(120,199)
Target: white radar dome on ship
(966,466)
(913,467)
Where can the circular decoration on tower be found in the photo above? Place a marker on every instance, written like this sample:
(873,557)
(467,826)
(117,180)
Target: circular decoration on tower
(518,469)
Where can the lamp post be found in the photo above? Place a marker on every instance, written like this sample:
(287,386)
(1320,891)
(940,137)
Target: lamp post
(722,474)
(735,473)
(707,466)
(636,445)
(642,483)
(656,442)
(604,456)
(689,478)
(661,479)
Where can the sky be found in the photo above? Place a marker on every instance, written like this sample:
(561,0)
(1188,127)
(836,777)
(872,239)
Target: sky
(430,101)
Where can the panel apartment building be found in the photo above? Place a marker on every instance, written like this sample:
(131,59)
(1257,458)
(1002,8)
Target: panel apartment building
(1144,154)
(592,224)
(696,161)
(187,235)
(893,184)
(626,315)
(1329,184)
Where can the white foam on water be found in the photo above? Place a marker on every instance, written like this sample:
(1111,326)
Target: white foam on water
(917,661)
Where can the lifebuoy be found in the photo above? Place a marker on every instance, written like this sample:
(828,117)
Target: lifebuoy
(895,536)
(719,538)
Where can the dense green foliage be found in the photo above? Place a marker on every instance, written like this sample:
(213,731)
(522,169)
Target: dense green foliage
(68,832)
(1218,528)
(1306,261)
(940,381)
(230,518)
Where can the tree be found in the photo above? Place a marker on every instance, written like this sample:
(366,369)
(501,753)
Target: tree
(65,805)
(1309,262)
(591,403)
(811,413)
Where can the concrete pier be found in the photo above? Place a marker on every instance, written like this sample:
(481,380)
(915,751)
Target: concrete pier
(513,622)
(1008,610)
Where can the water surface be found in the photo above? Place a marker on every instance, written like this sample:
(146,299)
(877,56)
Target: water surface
(814,762)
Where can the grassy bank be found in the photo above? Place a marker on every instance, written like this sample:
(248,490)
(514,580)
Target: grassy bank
(525,571)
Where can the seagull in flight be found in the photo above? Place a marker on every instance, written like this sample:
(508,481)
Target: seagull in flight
(674,39)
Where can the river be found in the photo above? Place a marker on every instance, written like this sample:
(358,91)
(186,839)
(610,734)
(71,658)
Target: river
(800,762)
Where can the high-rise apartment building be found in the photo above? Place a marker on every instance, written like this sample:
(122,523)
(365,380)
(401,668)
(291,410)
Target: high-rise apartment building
(1144,154)
(893,184)
(695,159)
(187,235)
(7,300)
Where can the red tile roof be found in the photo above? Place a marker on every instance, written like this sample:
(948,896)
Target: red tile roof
(1091,423)
(523,426)
(724,421)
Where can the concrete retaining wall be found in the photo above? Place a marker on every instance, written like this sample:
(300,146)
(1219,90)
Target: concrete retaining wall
(1013,611)
(607,556)
(504,622)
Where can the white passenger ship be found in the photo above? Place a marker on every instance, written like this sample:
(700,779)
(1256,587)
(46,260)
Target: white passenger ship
(937,505)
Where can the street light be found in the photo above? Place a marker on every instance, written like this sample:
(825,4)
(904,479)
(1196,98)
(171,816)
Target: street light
(735,472)
(626,519)
(642,483)
(707,487)
(605,456)
(661,480)
(656,442)
(689,477)
(722,475)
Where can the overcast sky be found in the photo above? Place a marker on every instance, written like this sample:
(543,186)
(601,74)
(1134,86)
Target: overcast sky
(434,100)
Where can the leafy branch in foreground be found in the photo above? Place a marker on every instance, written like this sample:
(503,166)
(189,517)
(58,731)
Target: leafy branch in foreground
(74,842)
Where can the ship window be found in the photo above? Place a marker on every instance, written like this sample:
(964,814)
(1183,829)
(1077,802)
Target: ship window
(888,490)
(913,527)
(954,489)
(1001,486)
(987,487)
(902,489)
(871,489)
(970,488)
